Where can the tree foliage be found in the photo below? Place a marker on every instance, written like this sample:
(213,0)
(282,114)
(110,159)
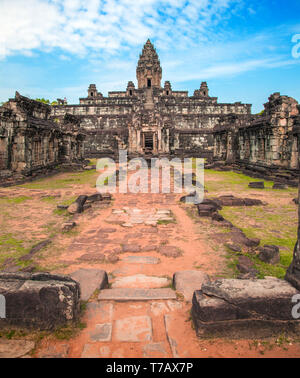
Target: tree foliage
(43,100)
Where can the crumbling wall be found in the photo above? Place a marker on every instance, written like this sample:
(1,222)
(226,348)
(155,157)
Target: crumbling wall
(32,142)
(189,119)
(267,141)
(293,272)
(192,143)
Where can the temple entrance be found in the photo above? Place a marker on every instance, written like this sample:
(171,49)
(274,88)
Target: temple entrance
(149,83)
(149,142)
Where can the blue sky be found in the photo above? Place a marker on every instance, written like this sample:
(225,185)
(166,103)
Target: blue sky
(242,48)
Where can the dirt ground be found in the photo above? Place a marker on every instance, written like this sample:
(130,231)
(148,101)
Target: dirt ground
(29,215)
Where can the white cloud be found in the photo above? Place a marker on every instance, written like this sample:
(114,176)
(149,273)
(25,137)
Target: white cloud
(81,26)
(228,69)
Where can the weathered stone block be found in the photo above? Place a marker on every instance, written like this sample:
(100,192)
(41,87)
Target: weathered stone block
(94,197)
(278,185)
(134,329)
(78,205)
(244,308)
(187,281)
(257,185)
(90,280)
(217,217)
(39,300)
(245,265)
(254,242)
(233,247)
(269,254)
(67,226)
(205,210)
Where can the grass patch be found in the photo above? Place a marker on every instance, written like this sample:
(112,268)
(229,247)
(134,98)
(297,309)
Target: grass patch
(69,201)
(230,270)
(264,269)
(11,247)
(179,296)
(49,199)
(63,180)
(69,331)
(71,233)
(64,212)
(275,225)
(61,212)
(15,200)
(165,221)
(94,296)
(235,182)
(93,162)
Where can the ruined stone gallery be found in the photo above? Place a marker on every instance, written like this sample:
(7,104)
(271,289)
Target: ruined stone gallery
(148,275)
(150,120)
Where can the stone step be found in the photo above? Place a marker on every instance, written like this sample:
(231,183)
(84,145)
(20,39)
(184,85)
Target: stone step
(141,281)
(125,294)
(90,280)
(141,260)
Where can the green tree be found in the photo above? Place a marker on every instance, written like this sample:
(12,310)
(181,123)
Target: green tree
(43,100)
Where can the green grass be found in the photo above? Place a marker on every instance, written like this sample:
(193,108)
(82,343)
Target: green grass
(15,200)
(230,270)
(264,269)
(63,180)
(50,199)
(11,247)
(237,181)
(277,226)
(61,212)
(66,202)
(273,223)
(69,331)
(9,242)
(92,162)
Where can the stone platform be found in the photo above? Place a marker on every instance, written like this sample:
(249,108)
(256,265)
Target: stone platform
(39,300)
(244,308)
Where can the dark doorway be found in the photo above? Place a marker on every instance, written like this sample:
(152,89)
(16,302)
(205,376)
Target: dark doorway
(148,141)
(149,83)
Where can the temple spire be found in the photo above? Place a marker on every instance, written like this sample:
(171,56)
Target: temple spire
(148,70)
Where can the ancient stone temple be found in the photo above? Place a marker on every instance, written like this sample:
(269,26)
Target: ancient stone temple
(267,143)
(150,119)
(31,142)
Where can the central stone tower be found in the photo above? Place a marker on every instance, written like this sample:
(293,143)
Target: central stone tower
(148,71)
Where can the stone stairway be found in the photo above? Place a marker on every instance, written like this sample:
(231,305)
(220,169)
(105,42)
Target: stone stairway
(149,104)
(133,312)
(138,287)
